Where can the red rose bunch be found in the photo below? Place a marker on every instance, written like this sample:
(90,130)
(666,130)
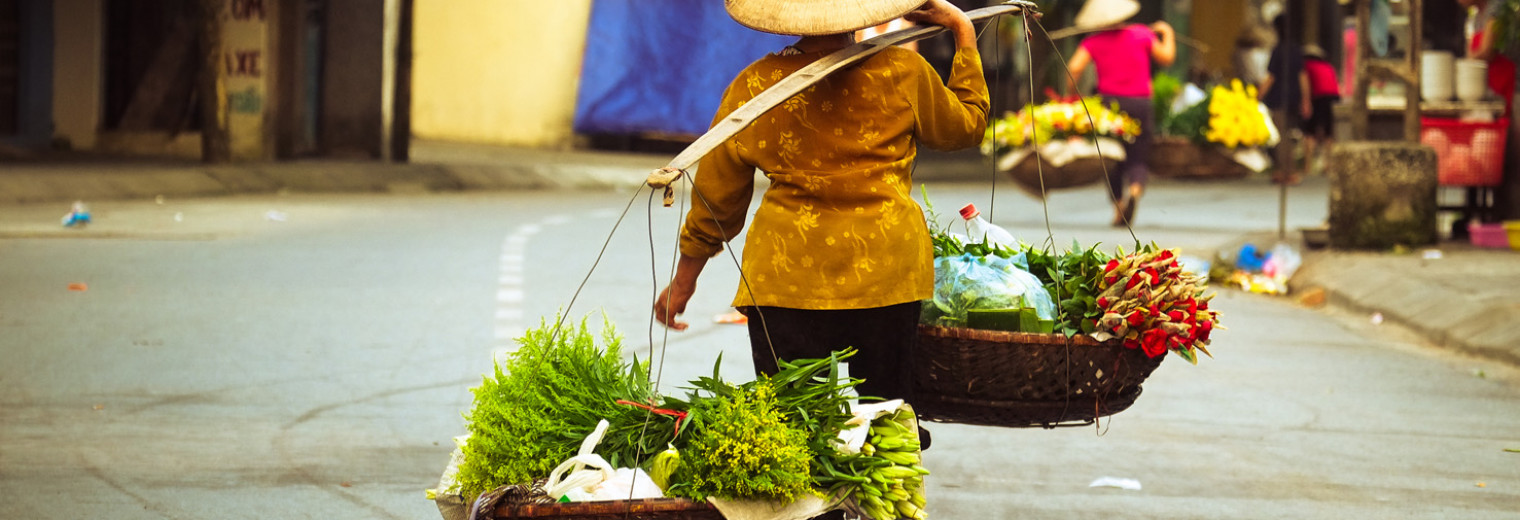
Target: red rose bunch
(1150,302)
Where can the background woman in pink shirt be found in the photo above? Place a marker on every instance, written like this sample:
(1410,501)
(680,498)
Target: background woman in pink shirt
(1122,55)
(1324,93)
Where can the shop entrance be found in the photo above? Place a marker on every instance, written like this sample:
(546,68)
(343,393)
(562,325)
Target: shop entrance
(152,57)
(10,65)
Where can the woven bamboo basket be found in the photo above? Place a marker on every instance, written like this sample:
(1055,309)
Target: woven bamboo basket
(1029,173)
(1180,158)
(1016,379)
(647,509)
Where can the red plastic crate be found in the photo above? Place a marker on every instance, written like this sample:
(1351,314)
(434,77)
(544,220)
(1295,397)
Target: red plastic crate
(1467,153)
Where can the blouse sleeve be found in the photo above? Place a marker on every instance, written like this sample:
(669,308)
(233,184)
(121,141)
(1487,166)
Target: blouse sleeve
(952,115)
(723,187)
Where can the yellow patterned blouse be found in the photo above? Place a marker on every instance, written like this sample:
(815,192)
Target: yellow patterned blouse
(838,228)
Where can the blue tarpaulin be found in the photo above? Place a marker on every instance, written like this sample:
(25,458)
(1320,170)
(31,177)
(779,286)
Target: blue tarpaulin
(660,66)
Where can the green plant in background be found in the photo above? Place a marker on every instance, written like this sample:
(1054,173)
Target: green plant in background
(1506,17)
(546,397)
(1164,90)
(1190,123)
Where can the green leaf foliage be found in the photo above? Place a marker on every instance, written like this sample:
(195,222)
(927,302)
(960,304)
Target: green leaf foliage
(771,438)
(1164,90)
(546,397)
(1072,278)
(1191,123)
(741,447)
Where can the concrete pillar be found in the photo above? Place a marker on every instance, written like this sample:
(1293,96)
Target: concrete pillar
(1382,194)
(77,71)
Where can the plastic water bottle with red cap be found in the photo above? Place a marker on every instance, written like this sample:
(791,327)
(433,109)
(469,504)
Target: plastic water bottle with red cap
(978,228)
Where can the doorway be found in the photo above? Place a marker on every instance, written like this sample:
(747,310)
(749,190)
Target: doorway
(10,66)
(151,62)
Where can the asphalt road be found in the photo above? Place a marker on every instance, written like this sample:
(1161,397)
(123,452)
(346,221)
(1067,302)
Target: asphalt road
(311,356)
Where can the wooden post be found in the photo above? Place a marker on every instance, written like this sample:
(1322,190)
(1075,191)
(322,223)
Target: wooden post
(211,83)
(1412,64)
(1359,115)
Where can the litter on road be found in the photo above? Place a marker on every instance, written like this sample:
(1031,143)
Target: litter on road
(1116,482)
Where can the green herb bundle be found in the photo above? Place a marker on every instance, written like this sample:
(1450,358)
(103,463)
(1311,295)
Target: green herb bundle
(813,396)
(741,447)
(547,397)
(784,428)
(1072,279)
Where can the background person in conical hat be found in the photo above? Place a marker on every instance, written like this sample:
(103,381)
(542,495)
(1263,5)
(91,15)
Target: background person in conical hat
(838,253)
(1122,55)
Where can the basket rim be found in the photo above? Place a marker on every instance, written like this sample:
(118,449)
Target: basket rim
(1028,338)
(600,507)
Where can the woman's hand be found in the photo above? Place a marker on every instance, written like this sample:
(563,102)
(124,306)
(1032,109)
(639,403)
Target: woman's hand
(943,13)
(671,303)
(1164,49)
(1161,27)
(672,300)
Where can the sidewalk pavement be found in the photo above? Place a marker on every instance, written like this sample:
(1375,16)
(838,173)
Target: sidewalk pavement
(1468,299)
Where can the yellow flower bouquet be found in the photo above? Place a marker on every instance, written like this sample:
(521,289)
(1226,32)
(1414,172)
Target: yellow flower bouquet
(1058,120)
(1230,116)
(1221,135)
(1060,144)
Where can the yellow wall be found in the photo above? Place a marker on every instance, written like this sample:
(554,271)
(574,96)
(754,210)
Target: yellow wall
(1217,23)
(497,71)
(248,60)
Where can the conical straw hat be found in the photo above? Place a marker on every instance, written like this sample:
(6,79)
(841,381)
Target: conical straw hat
(816,17)
(1103,13)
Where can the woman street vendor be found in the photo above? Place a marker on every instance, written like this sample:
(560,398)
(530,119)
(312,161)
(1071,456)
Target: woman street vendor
(838,254)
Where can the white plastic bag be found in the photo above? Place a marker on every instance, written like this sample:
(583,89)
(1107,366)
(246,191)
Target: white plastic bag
(587,476)
(450,504)
(1274,136)
(626,484)
(1191,95)
(1283,262)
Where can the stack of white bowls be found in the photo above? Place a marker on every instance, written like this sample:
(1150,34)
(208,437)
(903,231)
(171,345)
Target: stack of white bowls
(1437,76)
(1472,80)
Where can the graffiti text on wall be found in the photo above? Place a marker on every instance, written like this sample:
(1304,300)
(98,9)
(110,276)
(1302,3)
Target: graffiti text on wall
(248,10)
(246,101)
(244,64)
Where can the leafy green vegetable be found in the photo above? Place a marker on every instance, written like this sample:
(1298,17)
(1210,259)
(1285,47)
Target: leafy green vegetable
(533,413)
(810,397)
(1072,279)
(740,446)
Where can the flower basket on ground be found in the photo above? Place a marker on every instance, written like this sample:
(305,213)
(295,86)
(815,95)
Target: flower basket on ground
(1060,144)
(1220,136)
(1176,157)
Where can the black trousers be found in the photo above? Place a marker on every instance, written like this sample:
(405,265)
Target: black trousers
(884,337)
(1135,168)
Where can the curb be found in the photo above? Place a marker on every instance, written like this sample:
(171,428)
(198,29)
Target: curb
(1444,315)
